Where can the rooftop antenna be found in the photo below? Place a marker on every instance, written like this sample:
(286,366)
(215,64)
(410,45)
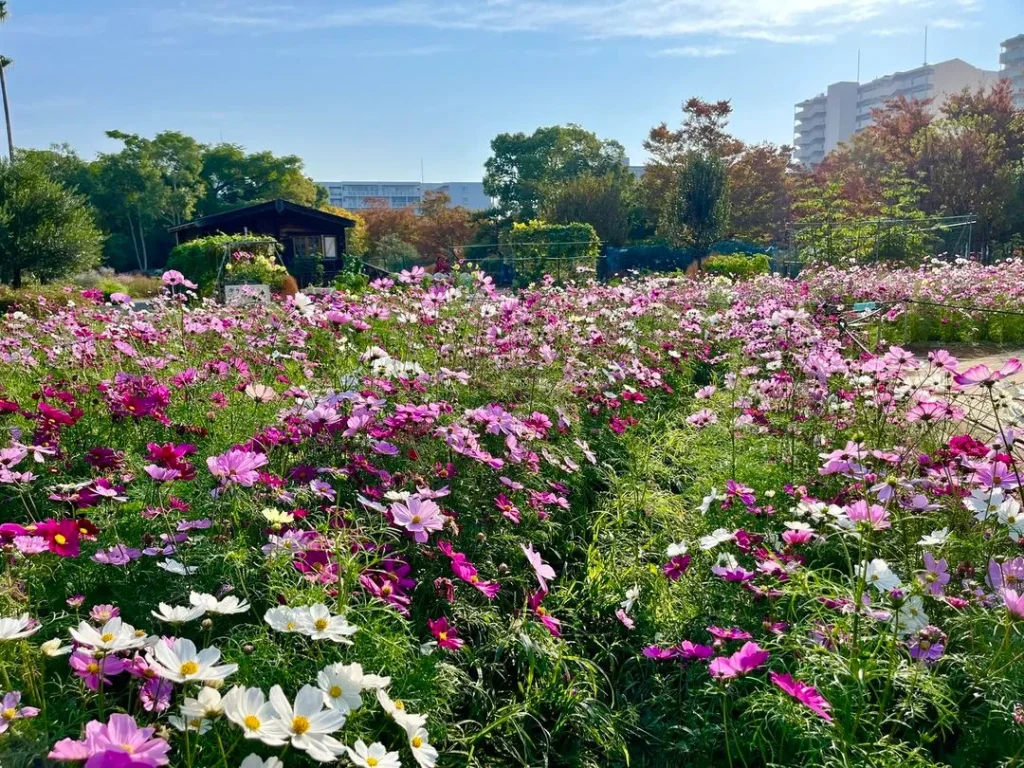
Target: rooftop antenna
(926,45)
(858,66)
(422,177)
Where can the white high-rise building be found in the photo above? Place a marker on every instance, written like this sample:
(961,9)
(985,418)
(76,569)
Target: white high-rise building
(1011,66)
(359,195)
(831,118)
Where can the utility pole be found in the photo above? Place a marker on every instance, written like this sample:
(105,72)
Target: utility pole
(4,61)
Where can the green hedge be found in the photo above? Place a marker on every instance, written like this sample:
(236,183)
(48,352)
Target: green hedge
(199,259)
(537,248)
(737,266)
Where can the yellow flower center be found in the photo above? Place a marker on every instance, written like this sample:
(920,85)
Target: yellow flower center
(474,579)
(140,633)
(442,636)
(386,590)
(195,723)
(189,668)
(321,624)
(416,518)
(9,713)
(106,637)
(300,725)
(93,668)
(128,748)
(416,742)
(371,761)
(61,539)
(925,645)
(252,722)
(290,626)
(399,704)
(335,691)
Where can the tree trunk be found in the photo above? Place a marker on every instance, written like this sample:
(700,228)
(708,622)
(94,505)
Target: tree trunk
(135,244)
(142,239)
(7,112)
(16,278)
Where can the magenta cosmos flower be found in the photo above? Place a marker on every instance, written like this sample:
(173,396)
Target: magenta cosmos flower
(418,516)
(745,660)
(120,735)
(806,694)
(447,636)
(554,626)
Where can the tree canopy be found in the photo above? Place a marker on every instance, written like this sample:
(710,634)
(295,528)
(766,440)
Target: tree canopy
(46,230)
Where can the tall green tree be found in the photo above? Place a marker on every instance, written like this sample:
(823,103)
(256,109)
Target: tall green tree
(232,177)
(604,202)
(703,202)
(525,170)
(46,230)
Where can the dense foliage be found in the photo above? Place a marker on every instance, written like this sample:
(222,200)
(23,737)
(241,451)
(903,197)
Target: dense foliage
(536,248)
(663,522)
(205,259)
(46,231)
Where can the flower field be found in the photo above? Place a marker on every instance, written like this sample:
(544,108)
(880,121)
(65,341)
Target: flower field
(665,522)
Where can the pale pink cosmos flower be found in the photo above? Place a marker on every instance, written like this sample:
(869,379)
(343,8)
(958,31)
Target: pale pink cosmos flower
(418,516)
(542,569)
(237,467)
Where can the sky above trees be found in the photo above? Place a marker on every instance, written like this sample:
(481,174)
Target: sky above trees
(367,89)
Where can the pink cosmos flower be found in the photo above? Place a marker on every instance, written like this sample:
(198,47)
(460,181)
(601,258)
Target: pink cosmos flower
(31,545)
(155,695)
(61,536)
(103,613)
(92,669)
(120,734)
(174,277)
(507,508)
(806,694)
(554,626)
(162,474)
(874,516)
(237,467)
(1014,602)
(10,711)
(745,660)
(982,375)
(622,616)
(447,636)
(542,569)
(418,516)
(729,633)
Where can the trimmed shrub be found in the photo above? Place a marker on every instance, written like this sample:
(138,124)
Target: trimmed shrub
(200,259)
(737,266)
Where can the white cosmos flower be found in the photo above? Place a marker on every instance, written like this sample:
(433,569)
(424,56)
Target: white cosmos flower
(419,742)
(249,709)
(190,724)
(112,637)
(255,761)
(677,549)
(935,538)
(223,607)
(716,537)
(308,723)
(396,708)
(707,501)
(910,617)
(178,614)
(878,575)
(18,627)
(53,648)
(181,663)
(317,622)
(341,687)
(208,704)
(374,756)
(283,619)
(173,566)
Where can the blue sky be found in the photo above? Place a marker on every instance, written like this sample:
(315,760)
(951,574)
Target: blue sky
(366,89)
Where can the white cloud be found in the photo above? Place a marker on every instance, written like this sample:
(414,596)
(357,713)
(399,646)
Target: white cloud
(779,21)
(694,52)
(947,24)
(890,31)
